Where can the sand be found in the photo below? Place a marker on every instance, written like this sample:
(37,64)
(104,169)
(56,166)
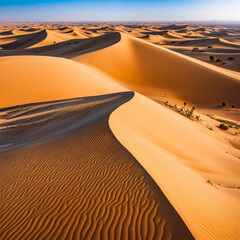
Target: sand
(84,185)
(95,142)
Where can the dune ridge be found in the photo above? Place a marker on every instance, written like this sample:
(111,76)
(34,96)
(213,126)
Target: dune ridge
(67,48)
(82,157)
(173,151)
(58,78)
(148,69)
(80,185)
(24,41)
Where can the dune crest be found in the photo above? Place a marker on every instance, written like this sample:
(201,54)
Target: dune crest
(153,70)
(37,78)
(181,159)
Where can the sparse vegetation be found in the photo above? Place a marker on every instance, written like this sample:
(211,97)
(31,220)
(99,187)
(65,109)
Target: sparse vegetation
(195,49)
(234,106)
(231,58)
(184,103)
(212,57)
(232,124)
(147,36)
(210,46)
(223,126)
(208,181)
(218,60)
(224,104)
(183,111)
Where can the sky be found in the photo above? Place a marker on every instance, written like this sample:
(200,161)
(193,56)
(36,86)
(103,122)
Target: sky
(118,10)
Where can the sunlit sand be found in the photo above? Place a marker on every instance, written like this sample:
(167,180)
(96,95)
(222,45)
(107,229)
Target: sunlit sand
(119,131)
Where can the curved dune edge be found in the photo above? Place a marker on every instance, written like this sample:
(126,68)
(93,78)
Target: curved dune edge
(153,70)
(59,45)
(79,184)
(27,79)
(177,156)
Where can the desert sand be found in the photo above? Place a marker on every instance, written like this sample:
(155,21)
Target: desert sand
(97,143)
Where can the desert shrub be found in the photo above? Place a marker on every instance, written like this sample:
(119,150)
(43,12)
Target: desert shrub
(210,46)
(234,106)
(184,103)
(218,60)
(223,126)
(224,104)
(54,42)
(147,36)
(195,49)
(231,58)
(189,113)
(193,108)
(208,181)
(212,57)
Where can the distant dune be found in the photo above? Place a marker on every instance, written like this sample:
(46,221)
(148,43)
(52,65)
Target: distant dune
(152,70)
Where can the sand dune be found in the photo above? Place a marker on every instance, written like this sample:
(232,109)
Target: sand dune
(84,157)
(57,78)
(171,144)
(168,34)
(209,41)
(84,185)
(68,49)
(3,33)
(175,27)
(25,40)
(148,69)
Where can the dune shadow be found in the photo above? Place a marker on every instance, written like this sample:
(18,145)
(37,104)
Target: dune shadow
(66,49)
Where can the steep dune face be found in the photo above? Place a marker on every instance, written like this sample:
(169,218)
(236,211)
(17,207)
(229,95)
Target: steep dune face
(27,79)
(82,184)
(8,32)
(153,70)
(204,42)
(181,158)
(58,45)
(25,41)
(53,37)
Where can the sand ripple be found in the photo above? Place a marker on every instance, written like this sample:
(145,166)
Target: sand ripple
(82,184)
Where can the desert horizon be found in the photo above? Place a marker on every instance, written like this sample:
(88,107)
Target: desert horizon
(119,129)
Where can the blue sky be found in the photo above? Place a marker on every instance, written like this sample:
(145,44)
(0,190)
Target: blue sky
(120,10)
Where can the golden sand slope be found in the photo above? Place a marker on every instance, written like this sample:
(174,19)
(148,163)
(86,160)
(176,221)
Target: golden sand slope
(181,156)
(27,79)
(24,41)
(71,179)
(153,70)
